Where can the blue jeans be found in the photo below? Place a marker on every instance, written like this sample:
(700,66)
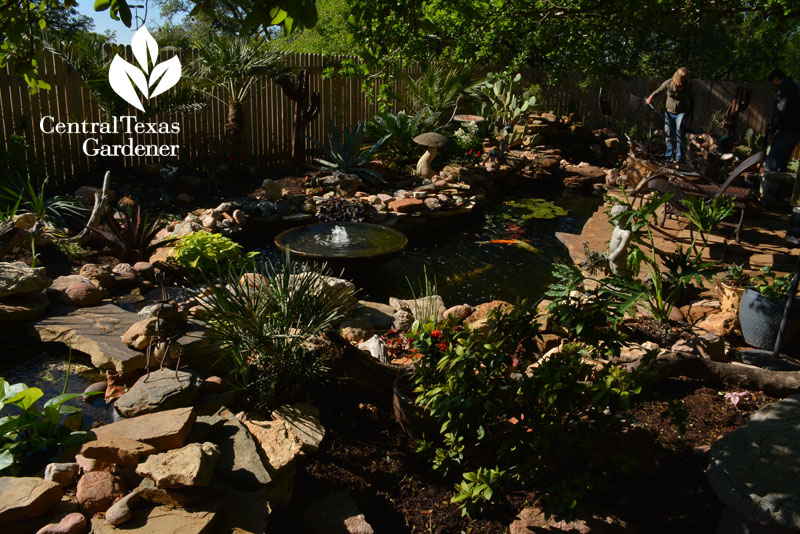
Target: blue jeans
(780,150)
(672,127)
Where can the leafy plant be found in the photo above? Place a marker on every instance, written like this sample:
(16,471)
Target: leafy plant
(401,130)
(439,89)
(706,214)
(28,431)
(339,209)
(466,136)
(735,275)
(130,234)
(537,208)
(509,418)
(206,256)
(49,211)
(504,103)
(770,285)
(345,152)
(264,321)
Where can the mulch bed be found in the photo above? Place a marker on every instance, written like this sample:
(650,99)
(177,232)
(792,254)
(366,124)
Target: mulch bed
(366,454)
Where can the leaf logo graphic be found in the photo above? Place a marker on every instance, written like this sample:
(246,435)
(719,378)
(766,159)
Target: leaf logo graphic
(125,78)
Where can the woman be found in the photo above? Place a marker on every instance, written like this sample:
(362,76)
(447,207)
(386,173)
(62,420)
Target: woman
(680,100)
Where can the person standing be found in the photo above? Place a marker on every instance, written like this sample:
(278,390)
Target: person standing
(784,128)
(680,101)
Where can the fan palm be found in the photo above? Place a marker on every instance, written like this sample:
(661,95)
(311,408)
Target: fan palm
(439,88)
(225,70)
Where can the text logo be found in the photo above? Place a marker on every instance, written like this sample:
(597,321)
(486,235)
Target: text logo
(124,76)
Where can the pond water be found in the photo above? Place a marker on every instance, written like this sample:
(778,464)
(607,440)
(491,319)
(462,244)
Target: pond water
(505,252)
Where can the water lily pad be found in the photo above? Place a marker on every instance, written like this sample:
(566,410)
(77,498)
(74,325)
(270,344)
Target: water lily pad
(538,208)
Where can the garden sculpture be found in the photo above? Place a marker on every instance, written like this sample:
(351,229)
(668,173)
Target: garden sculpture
(618,246)
(432,141)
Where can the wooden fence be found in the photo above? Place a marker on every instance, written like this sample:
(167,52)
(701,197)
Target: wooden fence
(268,114)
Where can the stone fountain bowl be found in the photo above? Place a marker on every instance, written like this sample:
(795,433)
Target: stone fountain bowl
(365,242)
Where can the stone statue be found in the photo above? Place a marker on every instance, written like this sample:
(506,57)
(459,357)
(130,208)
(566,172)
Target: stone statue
(618,246)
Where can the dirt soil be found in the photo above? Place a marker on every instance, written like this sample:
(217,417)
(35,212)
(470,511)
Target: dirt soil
(366,454)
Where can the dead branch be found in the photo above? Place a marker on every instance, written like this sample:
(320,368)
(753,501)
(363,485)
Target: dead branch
(100,205)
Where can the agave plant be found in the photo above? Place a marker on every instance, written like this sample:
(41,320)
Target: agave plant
(401,128)
(130,234)
(345,153)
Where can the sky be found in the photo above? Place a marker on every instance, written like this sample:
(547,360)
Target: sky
(103,21)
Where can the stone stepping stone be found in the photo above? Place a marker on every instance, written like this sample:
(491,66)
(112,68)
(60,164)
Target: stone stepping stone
(18,277)
(163,430)
(304,421)
(23,307)
(161,390)
(97,331)
(22,497)
(754,469)
(189,466)
(162,519)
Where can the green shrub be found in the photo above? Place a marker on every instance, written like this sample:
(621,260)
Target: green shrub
(401,130)
(770,285)
(206,256)
(264,322)
(509,418)
(27,431)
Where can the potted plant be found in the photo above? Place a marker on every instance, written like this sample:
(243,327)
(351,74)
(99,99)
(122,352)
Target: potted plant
(731,287)
(762,307)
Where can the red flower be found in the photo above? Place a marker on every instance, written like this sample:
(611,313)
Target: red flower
(436,334)
(479,153)
(443,345)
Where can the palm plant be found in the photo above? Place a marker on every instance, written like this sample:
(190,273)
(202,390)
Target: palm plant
(401,128)
(439,89)
(225,70)
(344,152)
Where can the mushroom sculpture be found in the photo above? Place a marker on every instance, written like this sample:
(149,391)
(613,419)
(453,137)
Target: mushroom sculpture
(433,142)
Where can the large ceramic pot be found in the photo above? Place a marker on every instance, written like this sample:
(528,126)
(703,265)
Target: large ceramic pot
(760,319)
(414,420)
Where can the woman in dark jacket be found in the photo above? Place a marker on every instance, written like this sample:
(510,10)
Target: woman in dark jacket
(680,100)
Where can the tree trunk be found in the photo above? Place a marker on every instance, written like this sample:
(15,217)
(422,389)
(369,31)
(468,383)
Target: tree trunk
(234,128)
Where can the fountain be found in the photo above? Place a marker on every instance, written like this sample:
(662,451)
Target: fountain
(342,242)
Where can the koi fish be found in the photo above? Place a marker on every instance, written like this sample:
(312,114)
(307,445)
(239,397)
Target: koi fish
(518,242)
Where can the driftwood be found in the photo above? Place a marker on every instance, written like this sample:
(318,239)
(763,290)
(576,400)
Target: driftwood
(100,205)
(362,371)
(775,383)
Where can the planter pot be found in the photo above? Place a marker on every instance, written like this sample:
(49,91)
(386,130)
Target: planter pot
(414,420)
(760,319)
(730,297)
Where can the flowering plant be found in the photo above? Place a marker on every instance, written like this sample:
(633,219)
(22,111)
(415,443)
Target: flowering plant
(466,137)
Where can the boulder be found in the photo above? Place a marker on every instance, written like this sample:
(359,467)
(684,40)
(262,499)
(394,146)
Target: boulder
(145,270)
(163,430)
(116,450)
(139,334)
(304,420)
(329,287)
(162,310)
(402,320)
(533,519)
(82,294)
(721,324)
(192,465)
(98,490)
(120,511)
(174,497)
(99,275)
(272,190)
(95,331)
(163,389)
(479,319)
(23,307)
(74,523)
(376,347)
(406,205)
(458,313)
(754,468)
(124,274)
(23,497)
(243,512)
(378,314)
(18,277)
(63,473)
(336,514)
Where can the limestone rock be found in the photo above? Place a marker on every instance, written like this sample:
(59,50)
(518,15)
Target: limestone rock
(22,497)
(721,324)
(239,461)
(754,468)
(164,310)
(272,190)
(402,320)
(139,335)
(458,313)
(63,473)
(82,294)
(192,465)
(163,430)
(422,308)
(74,523)
(174,497)
(479,319)
(376,347)
(532,519)
(304,420)
(243,512)
(163,389)
(117,450)
(379,315)
(23,307)
(18,277)
(336,514)
(97,490)
(120,511)
(100,275)
(144,269)
(124,274)
(162,520)
(330,287)
(406,205)
(95,331)
(89,464)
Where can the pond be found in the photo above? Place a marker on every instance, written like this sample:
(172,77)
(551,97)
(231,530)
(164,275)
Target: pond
(504,252)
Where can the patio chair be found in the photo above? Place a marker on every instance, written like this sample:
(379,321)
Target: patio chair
(682,184)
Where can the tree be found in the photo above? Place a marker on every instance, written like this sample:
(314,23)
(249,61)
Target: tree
(330,36)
